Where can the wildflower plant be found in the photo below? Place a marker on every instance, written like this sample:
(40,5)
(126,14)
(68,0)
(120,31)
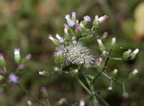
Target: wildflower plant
(74,58)
(72,54)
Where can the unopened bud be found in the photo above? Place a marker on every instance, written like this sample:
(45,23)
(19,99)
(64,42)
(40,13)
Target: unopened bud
(44,92)
(133,54)
(56,69)
(43,73)
(73,15)
(29,103)
(132,74)
(67,17)
(101,46)
(104,36)
(113,42)
(62,101)
(110,88)
(82,102)
(55,41)
(102,19)
(104,54)
(125,95)
(96,21)
(17,55)
(114,72)
(126,54)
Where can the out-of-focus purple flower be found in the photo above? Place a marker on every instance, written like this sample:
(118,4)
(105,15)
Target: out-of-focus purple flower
(125,95)
(21,66)
(1,56)
(73,37)
(43,89)
(92,35)
(67,17)
(1,92)
(87,18)
(65,25)
(1,71)
(13,78)
(71,23)
(77,27)
(28,56)
(73,14)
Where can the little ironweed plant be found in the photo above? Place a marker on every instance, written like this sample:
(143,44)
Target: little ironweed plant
(74,58)
(71,53)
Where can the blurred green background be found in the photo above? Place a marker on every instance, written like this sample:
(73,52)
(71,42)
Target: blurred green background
(26,24)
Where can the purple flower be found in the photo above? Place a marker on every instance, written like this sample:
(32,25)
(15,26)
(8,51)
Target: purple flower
(1,92)
(65,25)
(43,89)
(61,40)
(13,78)
(92,35)
(77,28)
(87,18)
(73,38)
(21,66)
(73,14)
(28,56)
(71,23)
(1,56)
(67,17)
(125,95)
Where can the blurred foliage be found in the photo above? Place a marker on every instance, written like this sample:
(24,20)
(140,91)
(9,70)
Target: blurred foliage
(26,24)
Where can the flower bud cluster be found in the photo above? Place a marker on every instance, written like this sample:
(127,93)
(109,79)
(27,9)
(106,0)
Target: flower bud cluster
(75,29)
(129,54)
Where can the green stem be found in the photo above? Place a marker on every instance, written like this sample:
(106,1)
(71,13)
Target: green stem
(20,86)
(106,62)
(83,85)
(48,103)
(96,96)
(89,92)
(114,58)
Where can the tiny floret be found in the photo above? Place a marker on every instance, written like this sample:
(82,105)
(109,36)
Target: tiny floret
(87,18)
(73,14)
(67,17)
(13,78)
(71,23)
